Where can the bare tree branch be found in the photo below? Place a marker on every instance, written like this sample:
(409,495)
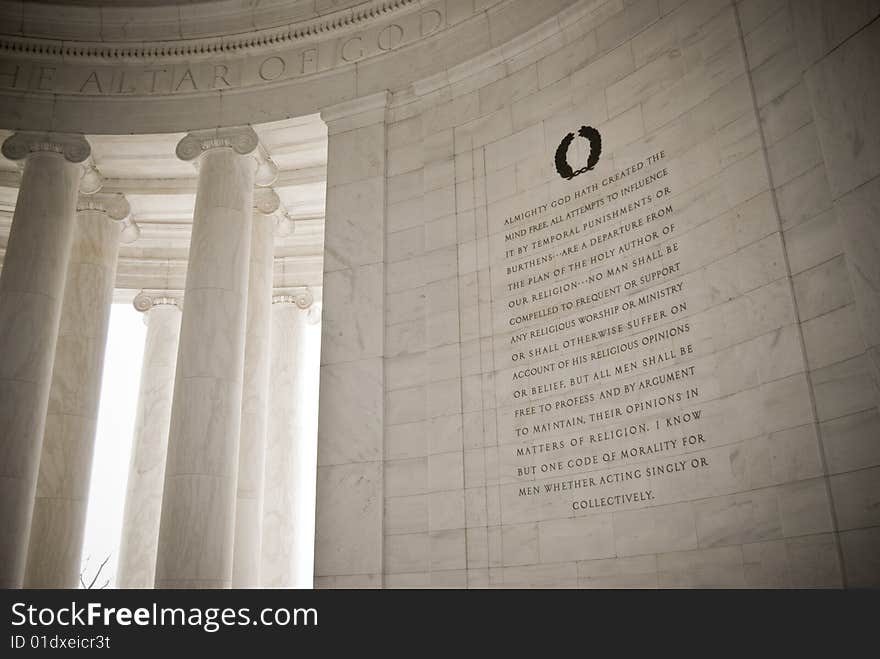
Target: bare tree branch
(83,571)
(98,573)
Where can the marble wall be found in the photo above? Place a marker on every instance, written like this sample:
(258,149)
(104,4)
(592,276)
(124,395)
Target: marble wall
(838,47)
(660,372)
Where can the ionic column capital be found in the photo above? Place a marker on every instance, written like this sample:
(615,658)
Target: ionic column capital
(146,300)
(73,147)
(285,225)
(241,139)
(303,300)
(266,201)
(91,180)
(301,297)
(130,230)
(268,204)
(313,316)
(267,170)
(112,204)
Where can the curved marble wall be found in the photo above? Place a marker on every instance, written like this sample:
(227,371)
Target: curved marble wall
(619,292)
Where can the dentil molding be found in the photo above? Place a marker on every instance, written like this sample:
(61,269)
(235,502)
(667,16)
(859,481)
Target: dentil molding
(243,57)
(240,36)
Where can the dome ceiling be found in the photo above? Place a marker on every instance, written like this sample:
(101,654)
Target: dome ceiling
(127,68)
(161,20)
(118,3)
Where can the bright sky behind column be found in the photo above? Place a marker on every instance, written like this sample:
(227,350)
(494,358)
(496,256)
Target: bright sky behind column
(116,416)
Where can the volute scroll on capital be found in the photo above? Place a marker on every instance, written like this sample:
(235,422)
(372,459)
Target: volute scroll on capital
(266,201)
(285,225)
(313,316)
(73,146)
(146,300)
(241,139)
(113,204)
(303,298)
(91,180)
(267,170)
(131,231)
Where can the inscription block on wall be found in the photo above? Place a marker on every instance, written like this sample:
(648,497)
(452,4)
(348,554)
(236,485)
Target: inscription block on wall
(605,387)
(648,378)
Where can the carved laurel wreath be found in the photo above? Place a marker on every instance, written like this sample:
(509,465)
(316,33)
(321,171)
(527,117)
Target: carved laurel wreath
(588,133)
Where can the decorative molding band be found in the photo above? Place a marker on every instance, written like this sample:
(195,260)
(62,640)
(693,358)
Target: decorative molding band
(316,28)
(73,147)
(209,66)
(241,139)
(146,300)
(357,112)
(359,105)
(154,186)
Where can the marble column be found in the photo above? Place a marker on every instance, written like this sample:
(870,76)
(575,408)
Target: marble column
(31,291)
(349,514)
(255,396)
(59,516)
(196,530)
(136,567)
(289,446)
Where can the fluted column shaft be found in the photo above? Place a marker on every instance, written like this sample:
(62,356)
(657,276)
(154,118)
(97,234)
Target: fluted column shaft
(59,516)
(198,507)
(254,407)
(31,290)
(146,474)
(288,450)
